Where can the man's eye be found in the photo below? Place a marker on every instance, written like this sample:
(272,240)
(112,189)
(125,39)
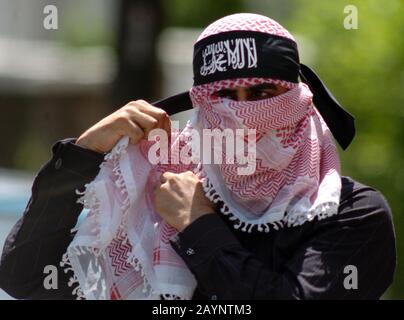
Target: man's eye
(224,94)
(261,94)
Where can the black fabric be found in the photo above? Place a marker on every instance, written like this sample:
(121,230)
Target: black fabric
(175,104)
(276,57)
(305,262)
(339,121)
(43,232)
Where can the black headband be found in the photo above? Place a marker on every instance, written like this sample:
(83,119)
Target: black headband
(241,54)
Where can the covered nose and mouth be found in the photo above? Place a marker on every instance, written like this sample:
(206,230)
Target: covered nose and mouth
(251,93)
(251,104)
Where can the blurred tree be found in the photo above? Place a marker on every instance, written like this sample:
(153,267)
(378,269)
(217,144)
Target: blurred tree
(364,69)
(138,71)
(197,13)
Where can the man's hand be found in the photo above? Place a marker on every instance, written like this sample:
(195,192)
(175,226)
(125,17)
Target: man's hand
(180,199)
(135,120)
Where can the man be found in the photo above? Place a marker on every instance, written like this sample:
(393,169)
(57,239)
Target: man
(293,229)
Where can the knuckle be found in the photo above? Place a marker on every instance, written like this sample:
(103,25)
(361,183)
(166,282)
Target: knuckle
(126,113)
(121,119)
(153,122)
(165,187)
(133,105)
(161,114)
(162,189)
(169,177)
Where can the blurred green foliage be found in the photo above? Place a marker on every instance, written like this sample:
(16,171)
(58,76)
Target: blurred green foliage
(85,27)
(364,68)
(198,14)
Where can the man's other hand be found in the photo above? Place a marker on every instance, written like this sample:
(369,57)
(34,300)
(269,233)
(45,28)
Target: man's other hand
(180,199)
(135,120)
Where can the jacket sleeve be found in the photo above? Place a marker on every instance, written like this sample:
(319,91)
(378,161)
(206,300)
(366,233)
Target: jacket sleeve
(43,233)
(358,242)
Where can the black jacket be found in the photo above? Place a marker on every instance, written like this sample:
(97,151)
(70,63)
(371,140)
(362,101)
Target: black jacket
(305,262)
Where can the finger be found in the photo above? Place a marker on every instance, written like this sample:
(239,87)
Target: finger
(134,112)
(157,113)
(188,173)
(151,110)
(164,177)
(167,126)
(134,132)
(159,189)
(146,122)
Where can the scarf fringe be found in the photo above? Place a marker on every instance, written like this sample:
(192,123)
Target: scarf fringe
(322,211)
(90,201)
(168,296)
(88,198)
(67,266)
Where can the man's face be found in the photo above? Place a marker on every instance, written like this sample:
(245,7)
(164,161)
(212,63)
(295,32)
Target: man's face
(253,93)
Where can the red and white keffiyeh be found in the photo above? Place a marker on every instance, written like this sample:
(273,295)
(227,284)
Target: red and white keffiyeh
(122,249)
(296,176)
